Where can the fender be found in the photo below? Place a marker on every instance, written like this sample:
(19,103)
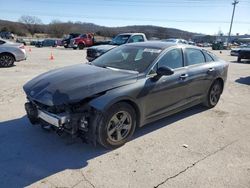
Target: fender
(103,102)
(82,42)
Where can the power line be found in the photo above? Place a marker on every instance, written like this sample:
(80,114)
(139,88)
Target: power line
(39,13)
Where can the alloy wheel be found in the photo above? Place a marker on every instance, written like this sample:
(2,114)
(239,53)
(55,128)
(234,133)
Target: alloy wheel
(215,93)
(6,61)
(119,126)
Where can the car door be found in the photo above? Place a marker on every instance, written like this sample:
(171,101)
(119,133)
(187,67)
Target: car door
(168,92)
(199,74)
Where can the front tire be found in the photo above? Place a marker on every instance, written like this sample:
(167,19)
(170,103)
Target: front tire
(239,59)
(116,126)
(81,46)
(6,60)
(214,94)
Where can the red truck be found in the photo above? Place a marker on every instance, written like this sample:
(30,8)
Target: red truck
(84,40)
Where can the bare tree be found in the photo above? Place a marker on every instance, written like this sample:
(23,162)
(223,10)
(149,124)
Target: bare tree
(32,23)
(57,28)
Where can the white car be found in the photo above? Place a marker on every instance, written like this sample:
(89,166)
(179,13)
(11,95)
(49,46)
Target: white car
(11,52)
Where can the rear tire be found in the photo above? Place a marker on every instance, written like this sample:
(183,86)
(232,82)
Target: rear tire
(116,126)
(6,60)
(214,94)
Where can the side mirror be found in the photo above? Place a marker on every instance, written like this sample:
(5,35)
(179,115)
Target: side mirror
(164,71)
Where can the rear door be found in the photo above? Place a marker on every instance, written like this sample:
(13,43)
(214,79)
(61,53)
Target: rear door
(200,73)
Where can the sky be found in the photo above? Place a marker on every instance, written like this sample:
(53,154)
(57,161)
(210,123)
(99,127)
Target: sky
(200,16)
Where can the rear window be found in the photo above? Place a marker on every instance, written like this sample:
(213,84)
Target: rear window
(194,56)
(214,57)
(208,57)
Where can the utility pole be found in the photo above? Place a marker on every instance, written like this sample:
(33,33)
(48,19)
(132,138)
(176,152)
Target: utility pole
(232,19)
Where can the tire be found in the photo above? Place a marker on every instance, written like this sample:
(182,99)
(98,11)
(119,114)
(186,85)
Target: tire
(66,46)
(214,94)
(6,60)
(74,48)
(81,46)
(239,59)
(111,132)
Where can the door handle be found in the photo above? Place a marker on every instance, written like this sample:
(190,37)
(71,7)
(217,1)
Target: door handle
(183,76)
(210,70)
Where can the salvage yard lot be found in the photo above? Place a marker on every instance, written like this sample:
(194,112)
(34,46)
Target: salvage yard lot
(216,152)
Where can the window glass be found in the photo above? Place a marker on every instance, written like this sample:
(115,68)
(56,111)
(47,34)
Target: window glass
(194,56)
(172,59)
(136,38)
(120,39)
(135,58)
(208,57)
(83,36)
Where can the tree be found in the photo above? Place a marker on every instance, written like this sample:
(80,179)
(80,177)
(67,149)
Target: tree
(57,28)
(4,29)
(32,23)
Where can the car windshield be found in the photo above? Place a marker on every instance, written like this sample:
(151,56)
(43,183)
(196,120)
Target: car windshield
(132,58)
(120,39)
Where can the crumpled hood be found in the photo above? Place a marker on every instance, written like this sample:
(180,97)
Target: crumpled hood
(103,48)
(74,83)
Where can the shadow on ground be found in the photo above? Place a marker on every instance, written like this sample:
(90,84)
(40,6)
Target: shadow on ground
(244,80)
(29,154)
(242,61)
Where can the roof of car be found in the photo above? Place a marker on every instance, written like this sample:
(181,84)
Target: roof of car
(132,34)
(160,44)
(154,44)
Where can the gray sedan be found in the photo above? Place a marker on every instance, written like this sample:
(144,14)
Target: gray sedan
(11,52)
(127,87)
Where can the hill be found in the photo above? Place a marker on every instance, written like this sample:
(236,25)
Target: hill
(58,29)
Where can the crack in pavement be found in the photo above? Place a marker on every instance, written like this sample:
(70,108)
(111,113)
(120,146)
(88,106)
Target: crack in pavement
(84,179)
(196,162)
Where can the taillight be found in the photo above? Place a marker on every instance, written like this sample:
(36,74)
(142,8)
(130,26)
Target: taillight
(21,47)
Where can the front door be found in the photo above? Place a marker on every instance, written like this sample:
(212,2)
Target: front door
(168,92)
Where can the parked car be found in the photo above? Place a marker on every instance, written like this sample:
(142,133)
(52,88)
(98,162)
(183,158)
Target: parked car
(46,43)
(59,42)
(177,41)
(218,46)
(7,35)
(21,40)
(82,41)
(11,52)
(127,87)
(66,40)
(244,53)
(191,43)
(96,51)
(235,51)
(33,42)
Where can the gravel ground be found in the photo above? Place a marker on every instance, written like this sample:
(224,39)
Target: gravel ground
(194,148)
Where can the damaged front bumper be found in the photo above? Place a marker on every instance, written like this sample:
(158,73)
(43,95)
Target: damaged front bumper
(76,124)
(53,119)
